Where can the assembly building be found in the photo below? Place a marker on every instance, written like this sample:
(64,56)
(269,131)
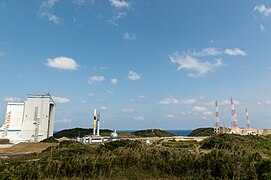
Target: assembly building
(29,121)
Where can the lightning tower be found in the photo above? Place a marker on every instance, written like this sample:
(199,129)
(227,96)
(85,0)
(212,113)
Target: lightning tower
(234,118)
(248,121)
(217,126)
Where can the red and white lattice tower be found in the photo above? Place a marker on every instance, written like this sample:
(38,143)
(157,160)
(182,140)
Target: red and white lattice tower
(217,126)
(247,119)
(234,118)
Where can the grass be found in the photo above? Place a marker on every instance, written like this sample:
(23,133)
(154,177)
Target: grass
(27,147)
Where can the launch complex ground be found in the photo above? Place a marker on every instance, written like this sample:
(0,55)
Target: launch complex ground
(33,121)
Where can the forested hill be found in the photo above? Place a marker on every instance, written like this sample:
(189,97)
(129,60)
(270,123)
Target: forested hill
(79,132)
(152,133)
(202,132)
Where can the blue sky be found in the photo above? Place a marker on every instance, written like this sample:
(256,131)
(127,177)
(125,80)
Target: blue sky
(144,64)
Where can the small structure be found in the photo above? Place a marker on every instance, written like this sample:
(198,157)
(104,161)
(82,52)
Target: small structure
(114,136)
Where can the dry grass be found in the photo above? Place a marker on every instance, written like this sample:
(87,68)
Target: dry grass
(27,147)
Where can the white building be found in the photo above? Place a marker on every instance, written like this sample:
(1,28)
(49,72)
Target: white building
(31,120)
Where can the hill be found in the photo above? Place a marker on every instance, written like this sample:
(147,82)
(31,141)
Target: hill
(236,143)
(202,132)
(152,133)
(79,132)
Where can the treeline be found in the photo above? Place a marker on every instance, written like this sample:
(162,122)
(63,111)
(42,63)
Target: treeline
(152,133)
(136,160)
(202,132)
(79,132)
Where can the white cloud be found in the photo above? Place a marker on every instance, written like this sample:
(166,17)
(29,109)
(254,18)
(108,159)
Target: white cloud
(193,64)
(118,16)
(61,62)
(129,36)
(228,102)
(207,113)
(207,52)
(139,118)
(63,121)
(223,103)
(114,81)
(170,100)
(78,2)
(103,108)
(235,52)
(211,103)
(46,11)
(210,51)
(183,113)
(128,110)
(268,102)
(12,99)
(263,10)
(83,101)
(170,116)
(133,76)
(95,79)
(61,100)
(119,3)
(262,27)
(187,101)
(199,109)
(82,2)
(109,92)
(53,18)
(49,3)
(121,8)
(141,97)
(90,94)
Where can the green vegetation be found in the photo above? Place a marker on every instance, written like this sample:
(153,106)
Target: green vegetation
(4,141)
(79,132)
(50,140)
(152,133)
(202,132)
(180,144)
(235,143)
(219,157)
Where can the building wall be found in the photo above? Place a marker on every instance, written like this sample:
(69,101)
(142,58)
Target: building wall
(16,111)
(44,106)
(32,120)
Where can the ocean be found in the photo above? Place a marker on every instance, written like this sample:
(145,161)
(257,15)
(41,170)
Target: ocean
(175,132)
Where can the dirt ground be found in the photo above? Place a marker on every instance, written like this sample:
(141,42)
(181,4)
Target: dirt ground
(27,147)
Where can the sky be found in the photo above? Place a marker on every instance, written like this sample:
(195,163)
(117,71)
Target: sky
(142,63)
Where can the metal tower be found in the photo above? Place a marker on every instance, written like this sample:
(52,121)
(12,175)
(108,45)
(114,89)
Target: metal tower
(6,125)
(217,126)
(37,124)
(248,121)
(234,118)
